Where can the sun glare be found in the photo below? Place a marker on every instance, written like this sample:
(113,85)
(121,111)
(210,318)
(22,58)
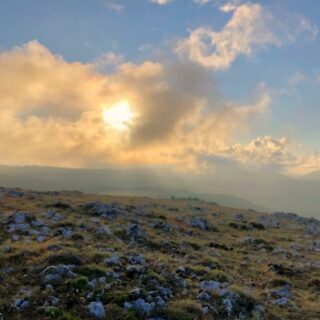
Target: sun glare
(119,115)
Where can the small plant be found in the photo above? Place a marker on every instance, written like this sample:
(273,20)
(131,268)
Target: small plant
(79,283)
(257,225)
(238,226)
(78,237)
(194,245)
(65,258)
(217,275)
(154,275)
(117,313)
(56,313)
(244,300)
(210,262)
(314,283)
(277,282)
(92,271)
(199,270)
(184,310)
(117,297)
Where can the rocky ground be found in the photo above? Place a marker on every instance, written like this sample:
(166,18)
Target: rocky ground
(68,255)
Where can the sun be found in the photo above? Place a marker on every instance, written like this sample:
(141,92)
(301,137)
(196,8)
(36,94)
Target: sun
(119,116)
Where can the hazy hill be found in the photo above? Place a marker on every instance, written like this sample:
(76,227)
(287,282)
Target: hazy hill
(229,185)
(134,182)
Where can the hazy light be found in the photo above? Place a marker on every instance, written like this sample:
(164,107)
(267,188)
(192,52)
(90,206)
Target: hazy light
(119,116)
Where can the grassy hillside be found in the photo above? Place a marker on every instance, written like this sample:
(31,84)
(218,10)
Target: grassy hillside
(68,255)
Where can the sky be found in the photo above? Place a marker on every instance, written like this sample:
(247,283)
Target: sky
(180,83)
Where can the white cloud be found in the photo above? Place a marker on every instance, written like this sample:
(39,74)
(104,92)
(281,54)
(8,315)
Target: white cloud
(108,59)
(230,6)
(201,2)
(112,5)
(51,112)
(297,78)
(280,154)
(251,27)
(263,151)
(161,2)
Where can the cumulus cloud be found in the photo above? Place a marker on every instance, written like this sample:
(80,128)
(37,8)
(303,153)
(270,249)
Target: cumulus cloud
(251,27)
(51,112)
(280,154)
(264,151)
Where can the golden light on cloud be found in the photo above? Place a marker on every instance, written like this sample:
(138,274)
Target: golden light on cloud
(119,116)
(148,113)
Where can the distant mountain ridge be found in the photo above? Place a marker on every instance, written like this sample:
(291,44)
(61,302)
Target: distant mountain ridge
(229,185)
(111,181)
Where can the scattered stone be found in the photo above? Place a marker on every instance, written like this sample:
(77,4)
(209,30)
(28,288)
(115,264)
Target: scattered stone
(104,230)
(257,243)
(41,238)
(204,296)
(141,306)
(210,285)
(104,210)
(133,275)
(281,292)
(136,259)
(281,301)
(135,232)
(239,217)
(96,309)
(20,304)
(201,223)
(113,261)
(162,226)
